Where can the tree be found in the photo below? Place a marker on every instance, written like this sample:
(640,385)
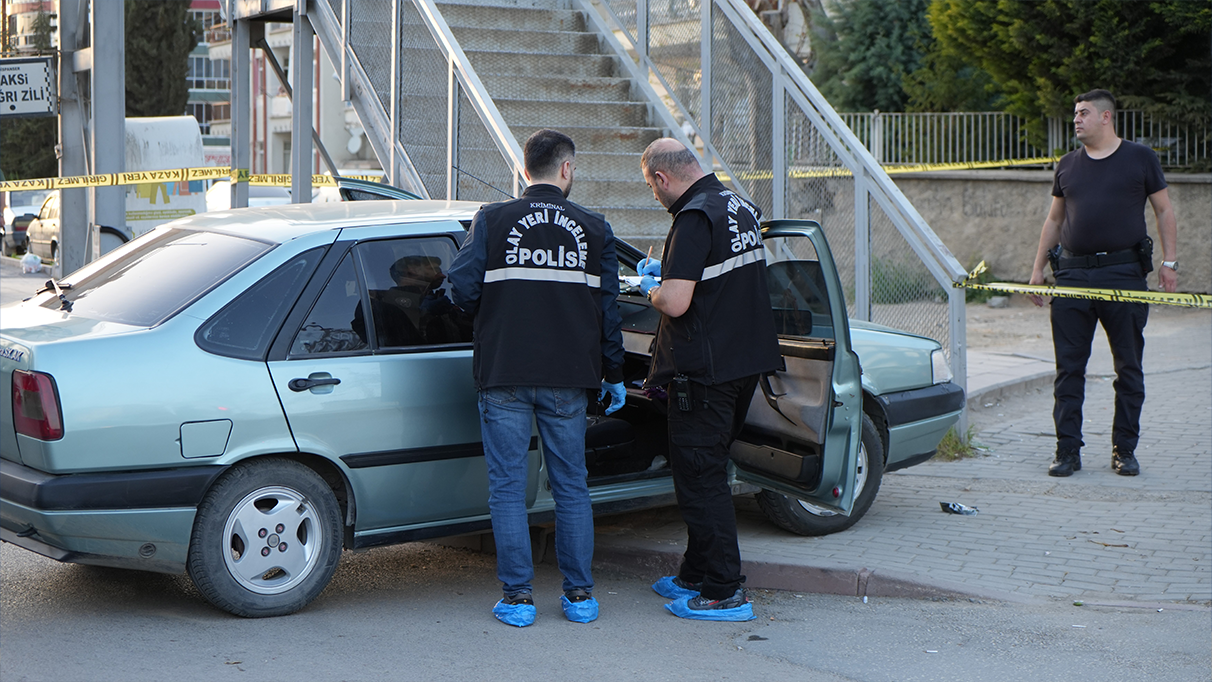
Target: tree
(865,51)
(27,146)
(1155,55)
(159,38)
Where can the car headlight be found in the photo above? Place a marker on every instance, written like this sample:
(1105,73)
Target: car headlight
(940,371)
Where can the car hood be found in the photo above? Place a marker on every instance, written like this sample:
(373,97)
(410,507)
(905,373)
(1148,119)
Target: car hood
(892,360)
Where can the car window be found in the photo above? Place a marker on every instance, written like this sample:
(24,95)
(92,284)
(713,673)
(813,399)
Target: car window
(410,303)
(154,277)
(336,323)
(245,327)
(798,294)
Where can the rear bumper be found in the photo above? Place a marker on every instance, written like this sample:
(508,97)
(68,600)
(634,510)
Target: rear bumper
(140,520)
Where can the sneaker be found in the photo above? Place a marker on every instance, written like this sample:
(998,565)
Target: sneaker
(579,606)
(1066,462)
(735,608)
(673,587)
(1124,462)
(516,609)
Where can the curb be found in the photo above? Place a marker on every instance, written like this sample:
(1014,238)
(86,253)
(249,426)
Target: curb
(851,582)
(1010,388)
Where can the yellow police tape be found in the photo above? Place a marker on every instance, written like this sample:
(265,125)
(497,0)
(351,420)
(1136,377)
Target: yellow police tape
(174,175)
(801,173)
(1121,295)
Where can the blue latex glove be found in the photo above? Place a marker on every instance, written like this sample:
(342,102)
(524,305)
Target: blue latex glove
(618,396)
(649,266)
(647,282)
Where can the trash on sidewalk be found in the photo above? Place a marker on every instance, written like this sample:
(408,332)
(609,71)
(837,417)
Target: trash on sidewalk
(957,508)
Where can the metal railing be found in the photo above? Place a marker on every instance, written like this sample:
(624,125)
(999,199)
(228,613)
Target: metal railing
(896,138)
(754,115)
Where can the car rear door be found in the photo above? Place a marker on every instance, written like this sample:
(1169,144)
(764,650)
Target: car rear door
(803,429)
(377,374)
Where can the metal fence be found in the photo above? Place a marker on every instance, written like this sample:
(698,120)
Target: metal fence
(966,137)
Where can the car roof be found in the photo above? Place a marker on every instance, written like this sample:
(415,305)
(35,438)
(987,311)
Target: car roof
(290,221)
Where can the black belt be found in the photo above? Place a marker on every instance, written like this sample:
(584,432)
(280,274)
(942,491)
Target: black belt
(1098,260)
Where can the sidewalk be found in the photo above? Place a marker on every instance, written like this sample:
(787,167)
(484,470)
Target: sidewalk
(1095,537)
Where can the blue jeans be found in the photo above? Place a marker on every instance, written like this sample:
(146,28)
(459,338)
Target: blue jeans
(506,415)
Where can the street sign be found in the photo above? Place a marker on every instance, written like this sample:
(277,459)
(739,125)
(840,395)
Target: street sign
(27,87)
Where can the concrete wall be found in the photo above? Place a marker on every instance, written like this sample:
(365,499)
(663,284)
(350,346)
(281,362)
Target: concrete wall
(996,216)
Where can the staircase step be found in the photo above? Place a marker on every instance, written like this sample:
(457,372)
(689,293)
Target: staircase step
(522,64)
(461,14)
(574,88)
(521,4)
(617,139)
(592,192)
(528,42)
(530,113)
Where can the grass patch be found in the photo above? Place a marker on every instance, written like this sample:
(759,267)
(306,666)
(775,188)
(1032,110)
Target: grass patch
(953,447)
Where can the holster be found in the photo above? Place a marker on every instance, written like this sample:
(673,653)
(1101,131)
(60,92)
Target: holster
(1054,257)
(1144,251)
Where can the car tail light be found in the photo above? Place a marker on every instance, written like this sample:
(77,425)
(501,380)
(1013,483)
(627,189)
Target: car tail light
(36,405)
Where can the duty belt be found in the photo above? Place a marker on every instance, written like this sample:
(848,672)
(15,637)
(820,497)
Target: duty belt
(1097,260)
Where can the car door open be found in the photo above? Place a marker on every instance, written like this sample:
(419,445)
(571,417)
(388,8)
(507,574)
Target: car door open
(803,430)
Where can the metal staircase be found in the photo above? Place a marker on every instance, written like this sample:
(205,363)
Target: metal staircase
(538,64)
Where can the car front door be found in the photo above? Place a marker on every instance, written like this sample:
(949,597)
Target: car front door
(804,425)
(378,375)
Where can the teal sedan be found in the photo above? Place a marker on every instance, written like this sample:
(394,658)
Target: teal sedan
(245,394)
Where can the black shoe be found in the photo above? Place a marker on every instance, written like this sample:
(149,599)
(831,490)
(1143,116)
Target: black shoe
(578,595)
(518,599)
(1066,462)
(1124,462)
(701,603)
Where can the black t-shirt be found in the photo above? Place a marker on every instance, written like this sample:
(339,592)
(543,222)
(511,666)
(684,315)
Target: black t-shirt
(1105,198)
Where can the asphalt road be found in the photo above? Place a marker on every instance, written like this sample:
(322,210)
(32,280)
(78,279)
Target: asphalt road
(422,612)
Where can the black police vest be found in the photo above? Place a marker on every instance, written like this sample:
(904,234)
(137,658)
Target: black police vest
(728,332)
(540,316)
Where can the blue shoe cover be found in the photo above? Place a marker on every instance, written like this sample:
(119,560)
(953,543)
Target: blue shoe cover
(670,590)
(580,611)
(737,614)
(518,615)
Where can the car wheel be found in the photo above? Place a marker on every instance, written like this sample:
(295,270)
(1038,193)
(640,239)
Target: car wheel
(9,249)
(805,518)
(266,539)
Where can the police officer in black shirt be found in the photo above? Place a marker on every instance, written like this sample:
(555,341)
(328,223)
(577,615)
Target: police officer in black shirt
(1095,237)
(541,276)
(715,338)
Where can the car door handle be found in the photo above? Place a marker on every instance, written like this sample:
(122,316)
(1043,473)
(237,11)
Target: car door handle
(298,385)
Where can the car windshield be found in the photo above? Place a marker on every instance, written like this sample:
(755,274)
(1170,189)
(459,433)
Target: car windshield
(152,278)
(31,197)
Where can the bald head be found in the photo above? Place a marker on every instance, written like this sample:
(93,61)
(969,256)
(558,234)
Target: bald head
(669,169)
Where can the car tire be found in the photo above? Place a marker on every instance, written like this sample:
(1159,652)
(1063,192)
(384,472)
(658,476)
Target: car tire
(9,249)
(266,539)
(804,518)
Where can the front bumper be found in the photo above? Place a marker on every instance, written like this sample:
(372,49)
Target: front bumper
(139,519)
(917,420)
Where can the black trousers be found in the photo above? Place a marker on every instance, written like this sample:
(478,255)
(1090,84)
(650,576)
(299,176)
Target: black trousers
(699,440)
(1073,324)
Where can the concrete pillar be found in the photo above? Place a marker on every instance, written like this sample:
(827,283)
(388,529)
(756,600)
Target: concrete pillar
(302,65)
(73,159)
(107,129)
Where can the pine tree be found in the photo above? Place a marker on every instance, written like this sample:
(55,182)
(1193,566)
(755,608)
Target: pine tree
(159,38)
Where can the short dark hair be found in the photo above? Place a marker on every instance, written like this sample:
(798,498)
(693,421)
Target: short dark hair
(1103,99)
(545,150)
(668,158)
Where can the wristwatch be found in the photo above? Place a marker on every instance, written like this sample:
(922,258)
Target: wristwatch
(649,294)
(1172,264)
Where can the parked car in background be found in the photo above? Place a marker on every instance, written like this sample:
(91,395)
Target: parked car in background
(218,197)
(20,207)
(44,231)
(302,384)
